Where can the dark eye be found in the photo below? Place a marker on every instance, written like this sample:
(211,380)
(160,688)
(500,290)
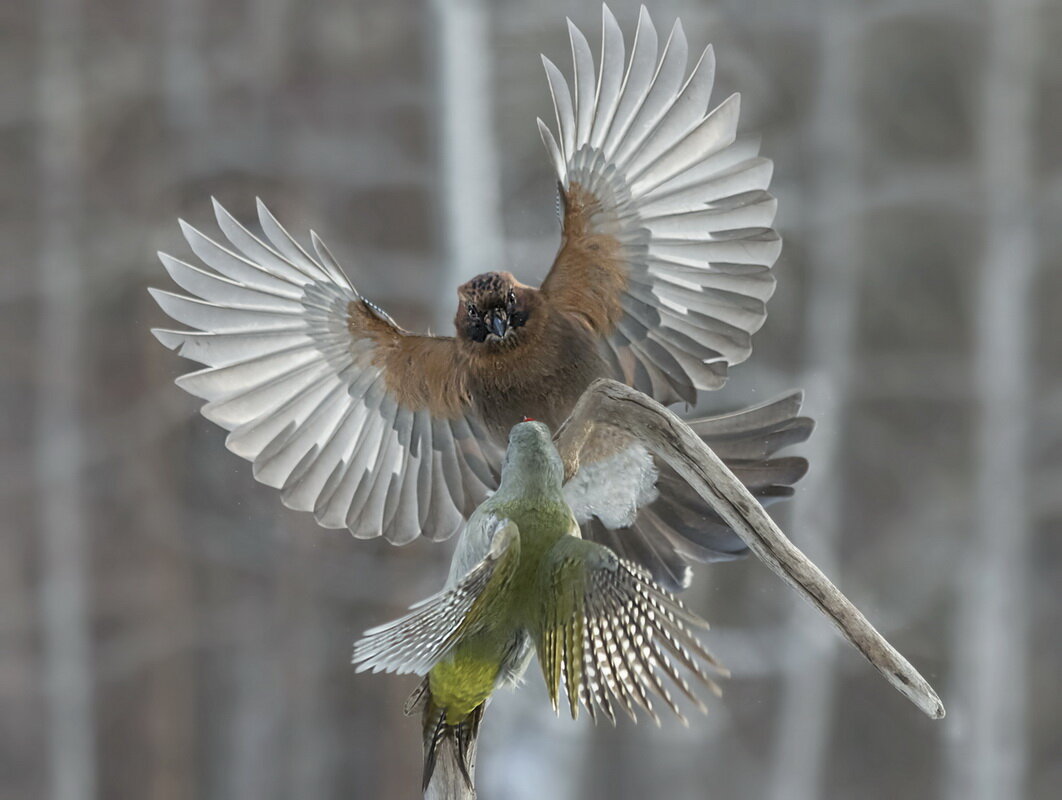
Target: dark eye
(512,297)
(472,311)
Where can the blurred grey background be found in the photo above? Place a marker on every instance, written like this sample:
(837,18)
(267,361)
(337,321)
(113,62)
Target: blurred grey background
(168,630)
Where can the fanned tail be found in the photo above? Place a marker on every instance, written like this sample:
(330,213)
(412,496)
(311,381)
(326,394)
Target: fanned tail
(677,527)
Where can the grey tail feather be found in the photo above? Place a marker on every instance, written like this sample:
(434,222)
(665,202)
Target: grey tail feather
(679,528)
(449,751)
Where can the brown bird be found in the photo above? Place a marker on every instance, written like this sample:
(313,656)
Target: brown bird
(661,278)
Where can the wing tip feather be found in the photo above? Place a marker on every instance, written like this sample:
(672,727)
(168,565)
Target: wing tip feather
(167,337)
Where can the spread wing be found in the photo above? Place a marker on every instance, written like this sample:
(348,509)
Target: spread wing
(667,242)
(608,633)
(419,640)
(350,416)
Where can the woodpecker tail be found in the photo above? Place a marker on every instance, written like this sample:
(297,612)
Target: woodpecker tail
(449,750)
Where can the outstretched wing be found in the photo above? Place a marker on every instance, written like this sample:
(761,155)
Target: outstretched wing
(609,634)
(667,242)
(416,642)
(350,416)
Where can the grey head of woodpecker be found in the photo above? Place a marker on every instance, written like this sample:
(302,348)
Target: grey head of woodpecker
(531,458)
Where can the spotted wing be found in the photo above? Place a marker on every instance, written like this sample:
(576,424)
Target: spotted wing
(611,635)
(416,642)
(667,242)
(348,415)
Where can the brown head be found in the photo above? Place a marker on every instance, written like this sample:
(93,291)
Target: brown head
(492,308)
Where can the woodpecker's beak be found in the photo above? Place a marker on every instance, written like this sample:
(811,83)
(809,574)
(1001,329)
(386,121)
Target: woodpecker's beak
(499,324)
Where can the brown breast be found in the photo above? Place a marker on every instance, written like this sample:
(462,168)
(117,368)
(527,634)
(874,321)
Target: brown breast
(541,376)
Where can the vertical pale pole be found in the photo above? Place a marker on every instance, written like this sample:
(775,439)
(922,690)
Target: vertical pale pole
(469,175)
(987,749)
(802,736)
(65,571)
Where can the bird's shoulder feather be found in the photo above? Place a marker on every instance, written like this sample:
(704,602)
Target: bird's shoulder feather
(422,372)
(588,277)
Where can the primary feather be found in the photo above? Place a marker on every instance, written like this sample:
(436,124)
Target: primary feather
(300,369)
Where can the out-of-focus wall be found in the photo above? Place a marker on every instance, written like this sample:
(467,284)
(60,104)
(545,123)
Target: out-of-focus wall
(168,630)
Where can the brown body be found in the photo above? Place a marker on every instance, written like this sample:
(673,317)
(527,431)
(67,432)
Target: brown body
(540,375)
(519,351)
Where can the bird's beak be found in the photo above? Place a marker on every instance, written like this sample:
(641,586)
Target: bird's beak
(499,324)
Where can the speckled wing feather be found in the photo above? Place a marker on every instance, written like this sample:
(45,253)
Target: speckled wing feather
(416,642)
(349,416)
(613,637)
(667,242)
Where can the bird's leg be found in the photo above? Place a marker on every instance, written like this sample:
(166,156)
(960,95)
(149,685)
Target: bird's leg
(670,438)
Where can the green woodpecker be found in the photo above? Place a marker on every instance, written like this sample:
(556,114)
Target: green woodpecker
(521,581)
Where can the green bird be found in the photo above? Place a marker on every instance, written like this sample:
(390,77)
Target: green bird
(523,581)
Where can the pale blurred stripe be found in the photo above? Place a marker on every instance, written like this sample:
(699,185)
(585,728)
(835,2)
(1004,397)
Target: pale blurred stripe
(988,753)
(62,515)
(803,732)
